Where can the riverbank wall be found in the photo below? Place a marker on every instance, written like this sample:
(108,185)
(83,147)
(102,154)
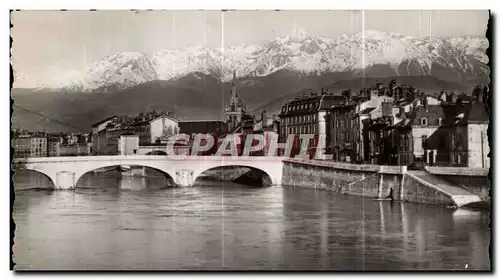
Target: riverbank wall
(474,180)
(383,182)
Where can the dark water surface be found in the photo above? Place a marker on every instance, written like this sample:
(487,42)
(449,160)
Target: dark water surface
(137,223)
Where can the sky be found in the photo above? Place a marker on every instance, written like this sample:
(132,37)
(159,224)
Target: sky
(51,43)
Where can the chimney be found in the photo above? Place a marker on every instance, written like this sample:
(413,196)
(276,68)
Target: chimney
(373,94)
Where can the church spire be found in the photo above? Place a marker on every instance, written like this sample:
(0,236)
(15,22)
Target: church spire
(234,91)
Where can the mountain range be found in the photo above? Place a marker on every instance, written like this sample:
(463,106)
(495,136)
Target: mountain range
(195,81)
(458,59)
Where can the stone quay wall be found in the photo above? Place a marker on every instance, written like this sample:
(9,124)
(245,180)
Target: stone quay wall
(374,181)
(474,180)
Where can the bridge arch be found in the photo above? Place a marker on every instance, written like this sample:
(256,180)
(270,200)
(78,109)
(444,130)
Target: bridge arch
(243,174)
(29,172)
(135,170)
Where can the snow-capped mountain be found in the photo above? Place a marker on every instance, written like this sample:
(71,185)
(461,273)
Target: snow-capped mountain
(459,59)
(113,73)
(120,71)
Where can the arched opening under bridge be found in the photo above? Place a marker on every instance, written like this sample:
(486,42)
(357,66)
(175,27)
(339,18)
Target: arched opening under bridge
(27,179)
(130,177)
(243,175)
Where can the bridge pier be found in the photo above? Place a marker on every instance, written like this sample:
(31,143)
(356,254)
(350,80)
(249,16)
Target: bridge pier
(184,178)
(65,180)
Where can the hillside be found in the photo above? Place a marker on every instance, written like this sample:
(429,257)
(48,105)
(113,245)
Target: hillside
(82,110)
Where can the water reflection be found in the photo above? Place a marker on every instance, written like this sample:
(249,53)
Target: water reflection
(139,223)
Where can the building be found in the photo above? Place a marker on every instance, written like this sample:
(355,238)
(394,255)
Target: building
(369,107)
(22,146)
(341,130)
(468,134)
(406,133)
(38,146)
(128,144)
(150,130)
(426,119)
(70,150)
(30,145)
(99,140)
(306,115)
(268,127)
(53,146)
(235,110)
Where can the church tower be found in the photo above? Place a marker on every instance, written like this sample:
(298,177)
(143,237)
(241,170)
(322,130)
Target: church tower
(235,109)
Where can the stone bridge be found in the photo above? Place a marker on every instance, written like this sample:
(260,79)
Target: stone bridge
(66,171)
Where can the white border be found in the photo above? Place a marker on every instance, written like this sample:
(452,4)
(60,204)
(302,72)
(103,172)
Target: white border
(195,5)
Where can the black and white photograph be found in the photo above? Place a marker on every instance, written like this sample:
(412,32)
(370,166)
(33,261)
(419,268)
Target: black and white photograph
(251,140)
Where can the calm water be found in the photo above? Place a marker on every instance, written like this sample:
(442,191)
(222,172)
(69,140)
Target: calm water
(137,223)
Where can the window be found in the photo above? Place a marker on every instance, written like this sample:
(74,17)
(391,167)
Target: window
(453,140)
(424,141)
(423,121)
(440,121)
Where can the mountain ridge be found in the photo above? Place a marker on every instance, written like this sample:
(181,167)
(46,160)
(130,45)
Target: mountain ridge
(458,59)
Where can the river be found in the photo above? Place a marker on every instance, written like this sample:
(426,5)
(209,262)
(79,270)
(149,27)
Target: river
(109,223)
